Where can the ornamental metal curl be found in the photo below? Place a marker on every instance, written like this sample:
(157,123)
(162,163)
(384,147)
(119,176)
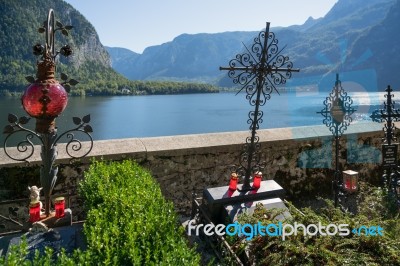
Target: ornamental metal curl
(258,70)
(27,146)
(388,114)
(337,117)
(337,112)
(23,147)
(74,145)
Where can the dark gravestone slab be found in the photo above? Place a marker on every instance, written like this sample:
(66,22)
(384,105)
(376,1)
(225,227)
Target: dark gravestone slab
(215,198)
(232,211)
(68,238)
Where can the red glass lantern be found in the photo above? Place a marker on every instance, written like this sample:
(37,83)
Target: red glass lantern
(59,205)
(233,182)
(350,181)
(45,99)
(34,211)
(257,180)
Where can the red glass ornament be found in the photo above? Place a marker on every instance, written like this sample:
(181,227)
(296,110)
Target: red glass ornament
(60,207)
(34,211)
(44,100)
(233,182)
(257,180)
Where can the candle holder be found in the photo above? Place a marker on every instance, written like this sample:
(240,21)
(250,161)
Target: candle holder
(257,180)
(59,206)
(350,181)
(34,211)
(233,182)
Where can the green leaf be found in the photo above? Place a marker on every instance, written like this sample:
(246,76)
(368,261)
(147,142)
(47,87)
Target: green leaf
(76,120)
(8,129)
(30,79)
(88,129)
(73,82)
(12,118)
(68,27)
(86,119)
(65,32)
(41,30)
(59,24)
(64,76)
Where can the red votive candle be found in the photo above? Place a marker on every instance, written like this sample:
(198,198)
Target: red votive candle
(347,185)
(59,204)
(34,211)
(257,180)
(233,182)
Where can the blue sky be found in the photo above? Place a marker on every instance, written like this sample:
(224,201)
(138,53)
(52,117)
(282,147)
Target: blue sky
(137,24)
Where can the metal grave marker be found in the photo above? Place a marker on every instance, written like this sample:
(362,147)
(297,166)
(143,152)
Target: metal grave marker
(259,70)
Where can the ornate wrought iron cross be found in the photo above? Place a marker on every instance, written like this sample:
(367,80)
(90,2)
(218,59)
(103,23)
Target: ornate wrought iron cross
(337,117)
(389,114)
(258,71)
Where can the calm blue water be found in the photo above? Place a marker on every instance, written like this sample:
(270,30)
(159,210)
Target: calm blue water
(163,115)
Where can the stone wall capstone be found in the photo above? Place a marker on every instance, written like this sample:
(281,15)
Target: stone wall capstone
(300,159)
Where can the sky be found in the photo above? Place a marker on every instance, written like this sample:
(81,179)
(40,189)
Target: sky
(137,24)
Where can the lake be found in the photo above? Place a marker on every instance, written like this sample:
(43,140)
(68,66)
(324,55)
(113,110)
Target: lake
(163,115)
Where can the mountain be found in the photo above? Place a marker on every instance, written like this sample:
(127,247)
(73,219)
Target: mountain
(122,59)
(308,24)
(19,23)
(382,41)
(189,57)
(319,47)
(323,49)
(90,63)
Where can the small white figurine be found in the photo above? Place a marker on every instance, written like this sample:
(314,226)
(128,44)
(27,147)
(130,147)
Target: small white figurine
(35,195)
(38,227)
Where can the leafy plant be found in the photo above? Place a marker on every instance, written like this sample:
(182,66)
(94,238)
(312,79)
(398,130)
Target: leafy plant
(354,249)
(128,223)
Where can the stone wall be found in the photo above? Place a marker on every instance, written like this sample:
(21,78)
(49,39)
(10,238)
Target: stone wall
(300,159)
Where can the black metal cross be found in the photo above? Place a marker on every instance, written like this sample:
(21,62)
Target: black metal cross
(388,114)
(258,71)
(337,117)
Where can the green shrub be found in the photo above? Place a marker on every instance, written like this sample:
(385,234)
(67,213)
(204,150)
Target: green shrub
(128,223)
(373,209)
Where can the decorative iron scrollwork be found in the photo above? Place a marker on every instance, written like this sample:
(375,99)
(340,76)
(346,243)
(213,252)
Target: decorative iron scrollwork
(74,145)
(337,117)
(258,71)
(25,147)
(389,114)
(337,112)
